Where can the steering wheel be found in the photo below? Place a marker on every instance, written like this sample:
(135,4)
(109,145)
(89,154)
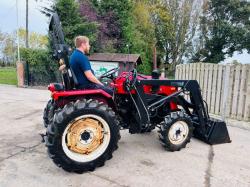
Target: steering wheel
(130,82)
(109,74)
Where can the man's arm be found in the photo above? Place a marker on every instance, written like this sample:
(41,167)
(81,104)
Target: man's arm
(92,77)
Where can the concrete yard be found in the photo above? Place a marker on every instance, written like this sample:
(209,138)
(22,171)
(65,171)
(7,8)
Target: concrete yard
(139,161)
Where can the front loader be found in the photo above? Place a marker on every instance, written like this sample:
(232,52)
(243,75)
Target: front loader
(210,130)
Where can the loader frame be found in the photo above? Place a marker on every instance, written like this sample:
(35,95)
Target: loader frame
(195,108)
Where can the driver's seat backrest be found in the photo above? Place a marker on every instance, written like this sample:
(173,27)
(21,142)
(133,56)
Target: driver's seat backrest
(69,79)
(73,77)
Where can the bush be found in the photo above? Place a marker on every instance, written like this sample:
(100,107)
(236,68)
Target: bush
(42,69)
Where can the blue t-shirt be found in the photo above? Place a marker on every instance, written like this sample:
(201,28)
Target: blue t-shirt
(79,64)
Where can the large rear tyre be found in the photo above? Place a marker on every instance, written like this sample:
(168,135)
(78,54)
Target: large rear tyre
(176,131)
(83,136)
(48,113)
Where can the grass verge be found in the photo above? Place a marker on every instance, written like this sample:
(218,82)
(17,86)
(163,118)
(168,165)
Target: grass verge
(8,75)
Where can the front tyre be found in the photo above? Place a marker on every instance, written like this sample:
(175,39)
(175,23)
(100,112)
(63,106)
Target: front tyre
(83,136)
(176,131)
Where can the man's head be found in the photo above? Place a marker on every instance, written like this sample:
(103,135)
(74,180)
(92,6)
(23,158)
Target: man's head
(82,43)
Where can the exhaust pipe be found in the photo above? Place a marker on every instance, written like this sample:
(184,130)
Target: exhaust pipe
(215,132)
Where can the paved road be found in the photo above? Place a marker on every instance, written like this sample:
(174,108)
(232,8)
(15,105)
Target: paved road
(139,161)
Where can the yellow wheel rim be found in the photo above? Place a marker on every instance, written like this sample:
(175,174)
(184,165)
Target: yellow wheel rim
(86,138)
(85,135)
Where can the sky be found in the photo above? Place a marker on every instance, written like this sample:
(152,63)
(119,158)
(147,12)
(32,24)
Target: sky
(37,21)
(243,58)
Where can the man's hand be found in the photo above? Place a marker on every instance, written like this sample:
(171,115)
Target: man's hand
(91,77)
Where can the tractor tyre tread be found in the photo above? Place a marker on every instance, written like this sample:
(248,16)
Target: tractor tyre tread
(48,113)
(165,127)
(61,119)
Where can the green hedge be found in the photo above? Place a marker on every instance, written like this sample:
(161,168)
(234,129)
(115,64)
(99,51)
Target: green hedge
(42,69)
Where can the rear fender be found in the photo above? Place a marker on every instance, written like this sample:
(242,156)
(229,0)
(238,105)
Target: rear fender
(64,97)
(56,95)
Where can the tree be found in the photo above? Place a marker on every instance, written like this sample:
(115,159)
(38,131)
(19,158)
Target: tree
(27,25)
(7,47)
(175,24)
(108,30)
(113,18)
(72,23)
(120,27)
(42,70)
(142,38)
(1,36)
(35,40)
(225,28)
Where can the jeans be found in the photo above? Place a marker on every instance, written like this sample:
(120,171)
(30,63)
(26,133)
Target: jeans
(97,86)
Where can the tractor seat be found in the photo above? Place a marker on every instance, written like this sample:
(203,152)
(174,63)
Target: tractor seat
(56,87)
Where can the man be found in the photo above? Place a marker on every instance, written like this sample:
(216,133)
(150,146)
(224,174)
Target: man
(82,68)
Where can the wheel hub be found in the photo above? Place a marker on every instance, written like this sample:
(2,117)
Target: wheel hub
(85,135)
(178,132)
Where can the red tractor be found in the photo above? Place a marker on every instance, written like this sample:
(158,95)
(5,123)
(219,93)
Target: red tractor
(83,125)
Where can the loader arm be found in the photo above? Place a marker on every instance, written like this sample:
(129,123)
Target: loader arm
(207,129)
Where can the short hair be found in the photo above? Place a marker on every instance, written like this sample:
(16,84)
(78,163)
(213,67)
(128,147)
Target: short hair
(81,39)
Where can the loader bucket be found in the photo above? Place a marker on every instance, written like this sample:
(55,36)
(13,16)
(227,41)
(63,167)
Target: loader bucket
(216,132)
